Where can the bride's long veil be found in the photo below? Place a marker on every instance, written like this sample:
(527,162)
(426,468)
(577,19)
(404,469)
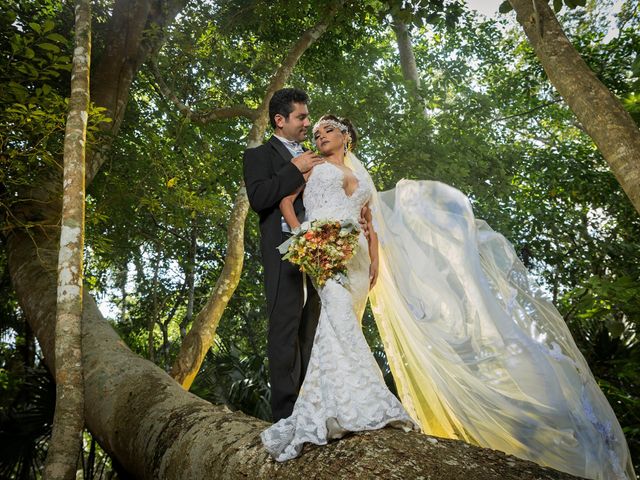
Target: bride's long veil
(476,351)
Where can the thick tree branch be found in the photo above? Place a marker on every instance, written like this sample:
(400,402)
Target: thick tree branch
(226,112)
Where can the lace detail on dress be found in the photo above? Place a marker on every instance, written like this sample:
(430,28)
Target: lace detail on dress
(343,390)
(324,197)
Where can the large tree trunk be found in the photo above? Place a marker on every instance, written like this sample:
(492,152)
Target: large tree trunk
(200,338)
(68,421)
(612,129)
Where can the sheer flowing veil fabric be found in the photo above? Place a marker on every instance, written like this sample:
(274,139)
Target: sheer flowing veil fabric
(476,351)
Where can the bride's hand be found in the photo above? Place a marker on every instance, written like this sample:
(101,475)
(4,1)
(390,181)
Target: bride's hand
(373,274)
(364,221)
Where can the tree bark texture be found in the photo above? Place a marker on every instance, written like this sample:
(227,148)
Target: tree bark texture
(604,119)
(202,333)
(68,422)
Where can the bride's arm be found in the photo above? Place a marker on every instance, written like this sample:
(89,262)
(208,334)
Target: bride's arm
(288,212)
(372,238)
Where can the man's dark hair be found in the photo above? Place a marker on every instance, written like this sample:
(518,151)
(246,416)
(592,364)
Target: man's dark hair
(282,103)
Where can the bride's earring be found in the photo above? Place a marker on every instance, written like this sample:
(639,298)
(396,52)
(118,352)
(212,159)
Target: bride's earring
(346,144)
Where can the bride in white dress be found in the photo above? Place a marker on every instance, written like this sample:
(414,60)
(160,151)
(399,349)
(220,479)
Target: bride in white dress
(476,351)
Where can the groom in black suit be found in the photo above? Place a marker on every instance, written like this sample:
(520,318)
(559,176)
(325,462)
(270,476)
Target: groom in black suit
(271,172)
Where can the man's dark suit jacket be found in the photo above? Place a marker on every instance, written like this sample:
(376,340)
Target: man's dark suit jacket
(269,176)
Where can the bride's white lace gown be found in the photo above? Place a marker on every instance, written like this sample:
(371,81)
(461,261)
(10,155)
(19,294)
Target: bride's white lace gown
(343,390)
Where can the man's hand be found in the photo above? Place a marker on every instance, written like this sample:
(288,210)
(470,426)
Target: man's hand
(306,161)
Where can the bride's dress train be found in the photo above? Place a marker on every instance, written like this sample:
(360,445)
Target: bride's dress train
(343,390)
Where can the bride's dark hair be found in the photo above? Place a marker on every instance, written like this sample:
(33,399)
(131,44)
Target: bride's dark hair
(347,123)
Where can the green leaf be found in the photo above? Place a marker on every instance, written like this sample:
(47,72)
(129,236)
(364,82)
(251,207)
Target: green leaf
(505,7)
(17,107)
(19,92)
(15,85)
(48,26)
(29,53)
(56,37)
(557,5)
(49,47)
(35,27)
(27,70)
(15,47)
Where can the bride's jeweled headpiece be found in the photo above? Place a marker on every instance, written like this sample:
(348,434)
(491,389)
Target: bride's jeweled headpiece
(323,122)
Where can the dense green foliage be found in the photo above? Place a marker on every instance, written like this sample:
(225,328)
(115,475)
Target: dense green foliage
(485,120)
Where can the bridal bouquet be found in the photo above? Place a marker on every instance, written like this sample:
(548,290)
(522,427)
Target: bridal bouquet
(322,248)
